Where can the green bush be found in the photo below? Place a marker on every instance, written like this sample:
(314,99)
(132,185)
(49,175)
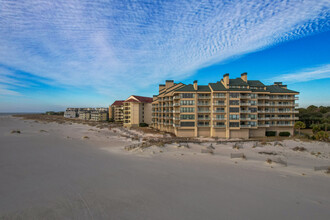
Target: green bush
(284,134)
(270,133)
(143,124)
(322,136)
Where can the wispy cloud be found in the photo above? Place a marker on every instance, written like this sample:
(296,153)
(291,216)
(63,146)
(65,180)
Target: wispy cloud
(125,44)
(308,74)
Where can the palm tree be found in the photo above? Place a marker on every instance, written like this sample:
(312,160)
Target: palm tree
(299,125)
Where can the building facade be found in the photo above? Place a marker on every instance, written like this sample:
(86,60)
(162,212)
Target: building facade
(137,109)
(229,108)
(116,111)
(99,115)
(84,115)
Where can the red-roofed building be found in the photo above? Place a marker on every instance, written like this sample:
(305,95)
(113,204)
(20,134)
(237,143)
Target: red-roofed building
(137,110)
(116,111)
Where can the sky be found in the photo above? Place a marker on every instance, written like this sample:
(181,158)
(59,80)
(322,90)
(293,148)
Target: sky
(89,53)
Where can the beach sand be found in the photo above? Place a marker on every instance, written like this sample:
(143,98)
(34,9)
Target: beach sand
(76,171)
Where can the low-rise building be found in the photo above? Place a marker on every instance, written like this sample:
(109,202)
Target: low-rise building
(137,110)
(229,108)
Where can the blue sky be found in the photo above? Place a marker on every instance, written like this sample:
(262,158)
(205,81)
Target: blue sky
(55,54)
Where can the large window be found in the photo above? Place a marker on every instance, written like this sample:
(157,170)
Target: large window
(234,117)
(187,102)
(187,124)
(233,109)
(187,117)
(233,102)
(187,95)
(187,109)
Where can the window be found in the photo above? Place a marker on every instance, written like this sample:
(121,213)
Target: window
(233,124)
(187,117)
(187,124)
(187,102)
(234,117)
(253,109)
(187,109)
(233,109)
(233,102)
(187,95)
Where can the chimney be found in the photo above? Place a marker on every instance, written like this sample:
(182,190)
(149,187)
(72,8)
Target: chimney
(195,85)
(161,86)
(226,80)
(244,77)
(169,83)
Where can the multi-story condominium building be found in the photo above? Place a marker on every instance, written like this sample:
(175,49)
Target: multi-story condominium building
(137,109)
(71,113)
(84,115)
(116,111)
(99,115)
(229,108)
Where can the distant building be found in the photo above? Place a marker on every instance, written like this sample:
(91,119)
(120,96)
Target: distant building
(229,108)
(137,109)
(116,111)
(84,115)
(71,113)
(99,116)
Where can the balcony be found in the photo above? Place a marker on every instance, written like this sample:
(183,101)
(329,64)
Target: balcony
(204,118)
(263,104)
(176,125)
(263,125)
(263,97)
(203,104)
(219,126)
(284,125)
(176,118)
(218,111)
(245,96)
(203,125)
(203,111)
(245,111)
(245,119)
(219,103)
(176,104)
(204,97)
(219,96)
(245,104)
(176,97)
(219,119)
(263,118)
(245,126)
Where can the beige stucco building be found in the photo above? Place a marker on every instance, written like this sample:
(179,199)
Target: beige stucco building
(116,111)
(229,108)
(137,109)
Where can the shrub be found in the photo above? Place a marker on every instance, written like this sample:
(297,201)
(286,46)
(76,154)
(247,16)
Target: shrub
(270,133)
(143,124)
(315,128)
(322,136)
(284,134)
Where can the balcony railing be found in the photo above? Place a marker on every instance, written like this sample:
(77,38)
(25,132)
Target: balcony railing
(202,125)
(263,97)
(263,125)
(245,111)
(176,97)
(245,119)
(245,96)
(203,104)
(219,103)
(204,97)
(245,104)
(219,96)
(219,119)
(203,118)
(219,126)
(203,111)
(245,126)
(263,118)
(219,111)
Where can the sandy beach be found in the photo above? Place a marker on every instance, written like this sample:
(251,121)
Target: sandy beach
(75,171)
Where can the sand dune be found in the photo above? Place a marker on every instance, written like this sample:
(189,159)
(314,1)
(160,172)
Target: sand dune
(75,171)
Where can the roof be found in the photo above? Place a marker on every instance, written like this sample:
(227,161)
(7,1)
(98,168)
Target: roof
(278,89)
(118,102)
(255,83)
(139,99)
(190,88)
(218,86)
(237,82)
